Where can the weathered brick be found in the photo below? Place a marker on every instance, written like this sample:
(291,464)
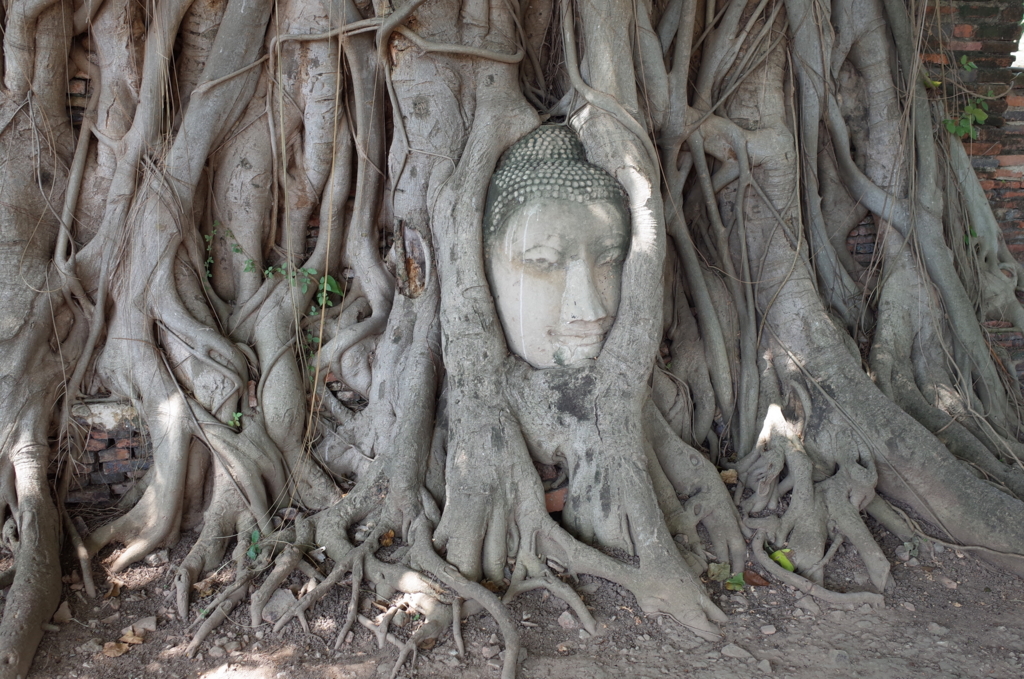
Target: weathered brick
(101,478)
(99,434)
(96,444)
(998,47)
(129,442)
(963,31)
(977,11)
(111,454)
(125,466)
(554,500)
(121,488)
(89,495)
(1001,31)
(965,45)
(1013,160)
(986,148)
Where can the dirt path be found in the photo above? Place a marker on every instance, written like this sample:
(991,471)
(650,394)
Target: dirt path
(947,616)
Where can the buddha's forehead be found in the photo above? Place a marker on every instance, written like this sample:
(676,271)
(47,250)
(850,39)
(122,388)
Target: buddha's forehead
(546,219)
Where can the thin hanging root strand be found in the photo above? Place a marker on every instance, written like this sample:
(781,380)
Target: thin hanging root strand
(353,602)
(460,644)
(806,586)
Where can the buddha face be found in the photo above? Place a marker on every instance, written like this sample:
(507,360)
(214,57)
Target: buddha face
(555,271)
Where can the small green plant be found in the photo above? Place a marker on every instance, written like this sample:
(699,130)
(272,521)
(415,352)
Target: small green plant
(974,114)
(254,545)
(236,419)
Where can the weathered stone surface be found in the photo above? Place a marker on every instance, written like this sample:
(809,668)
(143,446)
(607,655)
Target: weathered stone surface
(108,416)
(734,651)
(279,603)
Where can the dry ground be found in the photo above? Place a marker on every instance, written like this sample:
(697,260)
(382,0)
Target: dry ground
(948,615)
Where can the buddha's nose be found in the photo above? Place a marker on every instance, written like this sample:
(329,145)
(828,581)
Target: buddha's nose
(581,300)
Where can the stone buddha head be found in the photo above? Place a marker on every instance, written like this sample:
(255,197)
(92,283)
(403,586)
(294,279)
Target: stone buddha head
(556,233)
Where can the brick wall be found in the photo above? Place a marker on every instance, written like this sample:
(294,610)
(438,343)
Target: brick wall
(988,32)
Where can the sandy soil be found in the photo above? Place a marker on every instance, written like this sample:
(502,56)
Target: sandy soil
(948,615)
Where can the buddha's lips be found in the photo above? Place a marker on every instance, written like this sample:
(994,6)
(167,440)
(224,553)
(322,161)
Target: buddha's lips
(580,340)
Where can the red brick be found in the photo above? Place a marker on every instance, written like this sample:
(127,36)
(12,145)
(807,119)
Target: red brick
(1010,174)
(962,46)
(132,442)
(987,184)
(99,434)
(96,444)
(934,59)
(111,454)
(1015,100)
(984,149)
(963,31)
(554,500)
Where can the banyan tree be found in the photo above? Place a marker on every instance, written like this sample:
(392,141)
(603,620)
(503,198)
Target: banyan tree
(378,263)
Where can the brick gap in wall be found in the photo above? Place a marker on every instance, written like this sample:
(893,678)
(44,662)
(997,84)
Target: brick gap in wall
(116,453)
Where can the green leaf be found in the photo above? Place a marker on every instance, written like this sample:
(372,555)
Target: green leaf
(719,571)
(950,126)
(980,116)
(779,557)
(735,583)
(255,536)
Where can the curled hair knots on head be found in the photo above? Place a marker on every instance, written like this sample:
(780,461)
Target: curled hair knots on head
(549,162)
